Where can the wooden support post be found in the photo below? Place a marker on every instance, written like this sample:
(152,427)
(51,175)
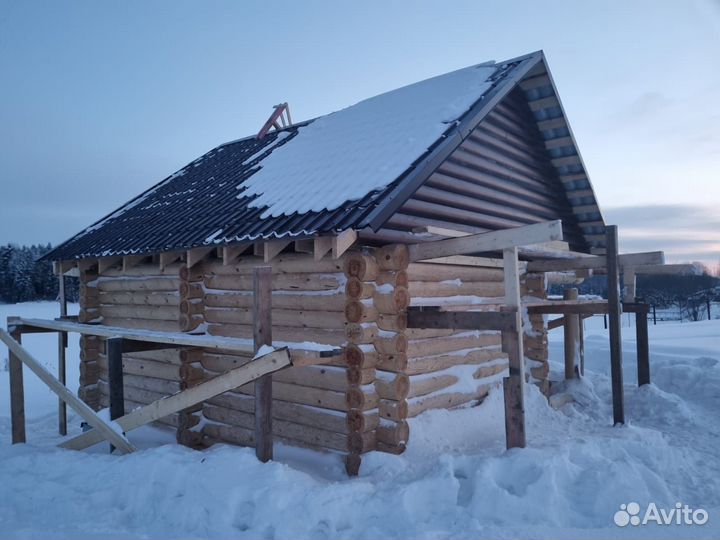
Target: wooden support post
(262,335)
(571,329)
(62,345)
(643,347)
(104,428)
(512,342)
(581,336)
(114,348)
(614,324)
(17,390)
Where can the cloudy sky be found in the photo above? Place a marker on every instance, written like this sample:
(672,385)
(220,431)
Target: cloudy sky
(100,100)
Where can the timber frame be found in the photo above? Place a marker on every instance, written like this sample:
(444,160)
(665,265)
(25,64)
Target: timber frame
(533,249)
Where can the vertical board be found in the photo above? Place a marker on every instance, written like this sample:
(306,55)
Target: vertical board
(614,324)
(262,335)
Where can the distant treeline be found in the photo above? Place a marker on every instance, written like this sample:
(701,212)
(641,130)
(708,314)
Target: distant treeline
(24,278)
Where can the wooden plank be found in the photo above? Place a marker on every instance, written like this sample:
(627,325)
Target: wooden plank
(342,242)
(512,342)
(614,325)
(105,263)
(62,348)
(234,378)
(273,248)
(262,335)
(322,245)
(114,347)
(105,430)
(169,257)
(490,241)
(17,390)
(128,261)
(643,348)
(430,317)
(596,262)
(571,334)
(195,255)
(232,253)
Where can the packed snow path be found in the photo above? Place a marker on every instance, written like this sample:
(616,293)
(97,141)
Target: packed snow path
(455,481)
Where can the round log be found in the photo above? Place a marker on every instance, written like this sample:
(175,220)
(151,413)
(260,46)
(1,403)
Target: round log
(398,278)
(286,282)
(148,298)
(149,284)
(119,311)
(285,263)
(432,289)
(443,272)
(392,323)
(190,290)
(361,332)
(392,302)
(361,266)
(355,357)
(191,275)
(395,387)
(393,257)
(357,312)
(392,344)
(357,290)
(305,302)
(393,410)
(397,363)
(192,307)
(393,433)
(188,323)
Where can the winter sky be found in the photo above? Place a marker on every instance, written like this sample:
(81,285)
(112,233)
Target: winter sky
(100,100)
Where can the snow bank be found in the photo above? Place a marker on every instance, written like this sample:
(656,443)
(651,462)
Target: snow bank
(455,481)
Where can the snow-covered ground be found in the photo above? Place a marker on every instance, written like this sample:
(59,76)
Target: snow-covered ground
(455,481)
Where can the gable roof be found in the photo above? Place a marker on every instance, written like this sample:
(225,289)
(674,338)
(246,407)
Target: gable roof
(349,169)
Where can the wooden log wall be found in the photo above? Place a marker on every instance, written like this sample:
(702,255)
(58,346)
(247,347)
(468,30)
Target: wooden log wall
(146,297)
(448,368)
(330,406)
(535,337)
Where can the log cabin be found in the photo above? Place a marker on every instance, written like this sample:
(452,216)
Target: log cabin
(334,207)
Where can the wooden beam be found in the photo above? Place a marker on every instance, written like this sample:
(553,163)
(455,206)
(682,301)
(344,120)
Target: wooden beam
(595,262)
(232,253)
(230,380)
(169,257)
(571,336)
(512,344)
(196,255)
(614,325)
(105,263)
(432,317)
(643,348)
(273,248)
(62,347)
(128,261)
(629,282)
(305,246)
(17,389)
(63,267)
(551,247)
(485,242)
(107,431)
(84,265)
(262,335)
(323,244)
(342,242)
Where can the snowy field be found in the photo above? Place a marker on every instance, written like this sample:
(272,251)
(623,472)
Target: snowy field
(455,481)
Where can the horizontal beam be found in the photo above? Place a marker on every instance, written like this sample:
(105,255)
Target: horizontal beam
(488,242)
(591,307)
(596,262)
(102,429)
(229,380)
(432,317)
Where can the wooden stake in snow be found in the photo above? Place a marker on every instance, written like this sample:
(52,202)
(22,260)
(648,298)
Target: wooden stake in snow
(105,430)
(614,323)
(262,335)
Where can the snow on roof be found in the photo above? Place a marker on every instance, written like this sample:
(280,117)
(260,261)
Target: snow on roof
(349,153)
